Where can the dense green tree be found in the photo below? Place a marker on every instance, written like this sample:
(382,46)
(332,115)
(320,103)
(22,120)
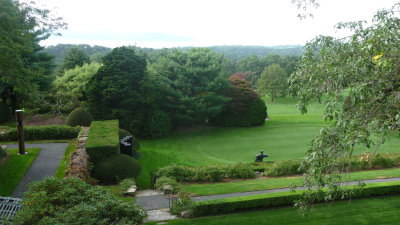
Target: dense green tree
(360,80)
(193,84)
(245,108)
(273,82)
(75,57)
(24,70)
(114,91)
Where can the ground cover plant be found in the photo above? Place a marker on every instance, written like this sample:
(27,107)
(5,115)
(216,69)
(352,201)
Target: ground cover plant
(14,169)
(378,210)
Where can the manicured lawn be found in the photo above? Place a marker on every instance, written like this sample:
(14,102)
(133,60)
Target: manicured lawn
(280,140)
(60,173)
(381,210)
(285,136)
(14,169)
(272,183)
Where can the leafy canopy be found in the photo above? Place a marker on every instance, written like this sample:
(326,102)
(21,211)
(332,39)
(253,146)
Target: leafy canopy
(360,80)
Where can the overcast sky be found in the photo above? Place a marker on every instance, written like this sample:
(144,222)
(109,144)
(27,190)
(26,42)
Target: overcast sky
(173,23)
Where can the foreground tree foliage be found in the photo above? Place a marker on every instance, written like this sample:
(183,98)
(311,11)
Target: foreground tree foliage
(72,201)
(24,69)
(360,80)
(273,82)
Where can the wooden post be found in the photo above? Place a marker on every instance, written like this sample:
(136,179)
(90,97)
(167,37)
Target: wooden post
(20,132)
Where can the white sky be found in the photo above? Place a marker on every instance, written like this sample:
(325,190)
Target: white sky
(172,23)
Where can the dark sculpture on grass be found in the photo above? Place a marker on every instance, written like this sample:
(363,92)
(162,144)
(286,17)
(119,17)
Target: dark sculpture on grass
(260,157)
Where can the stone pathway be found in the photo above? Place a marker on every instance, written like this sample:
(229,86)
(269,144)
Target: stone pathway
(44,165)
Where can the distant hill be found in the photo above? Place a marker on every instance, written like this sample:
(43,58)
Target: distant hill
(234,52)
(60,50)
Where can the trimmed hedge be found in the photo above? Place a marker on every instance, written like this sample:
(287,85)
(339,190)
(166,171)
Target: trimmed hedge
(228,205)
(53,132)
(113,169)
(103,140)
(79,117)
(275,169)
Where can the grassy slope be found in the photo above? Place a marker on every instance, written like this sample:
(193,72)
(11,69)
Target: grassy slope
(383,210)
(272,183)
(14,169)
(60,173)
(285,136)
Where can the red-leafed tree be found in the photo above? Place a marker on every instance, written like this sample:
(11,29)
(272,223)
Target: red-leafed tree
(245,108)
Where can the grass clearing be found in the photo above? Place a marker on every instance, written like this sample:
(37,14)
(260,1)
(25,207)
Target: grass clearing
(380,210)
(14,169)
(62,167)
(273,183)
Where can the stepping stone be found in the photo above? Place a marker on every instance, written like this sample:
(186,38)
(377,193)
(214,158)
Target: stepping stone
(159,215)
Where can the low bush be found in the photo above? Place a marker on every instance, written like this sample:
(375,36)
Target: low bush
(103,140)
(116,168)
(229,205)
(5,112)
(53,132)
(284,168)
(79,117)
(241,171)
(185,203)
(163,181)
(72,201)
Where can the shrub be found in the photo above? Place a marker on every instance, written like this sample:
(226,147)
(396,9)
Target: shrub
(135,142)
(158,125)
(179,172)
(185,204)
(284,168)
(210,173)
(116,168)
(5,112)
(162,181)
(55,132)
(72,201)
(79,117)
(125,184)
(103,140)
(241,170)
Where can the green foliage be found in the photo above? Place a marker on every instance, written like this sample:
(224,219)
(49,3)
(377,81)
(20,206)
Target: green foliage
(103,140)
(51,132)
(229,205)
(245,108)
(75,57)
(60,50)
(273,82)
(359,77)
(115,168)
(113,92)
(185,204)
(25,70)
(158,125)
(125,184)
(72,201)
(79,117)
(5,113)
(207,173)
(284,168)
(162,181)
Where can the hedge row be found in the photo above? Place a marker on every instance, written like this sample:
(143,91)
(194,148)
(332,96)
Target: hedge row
(103,140)
(207,173)
(53,132)
(279,168)
(228,205)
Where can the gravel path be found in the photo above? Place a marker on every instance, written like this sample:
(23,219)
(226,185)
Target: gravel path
(44,165)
